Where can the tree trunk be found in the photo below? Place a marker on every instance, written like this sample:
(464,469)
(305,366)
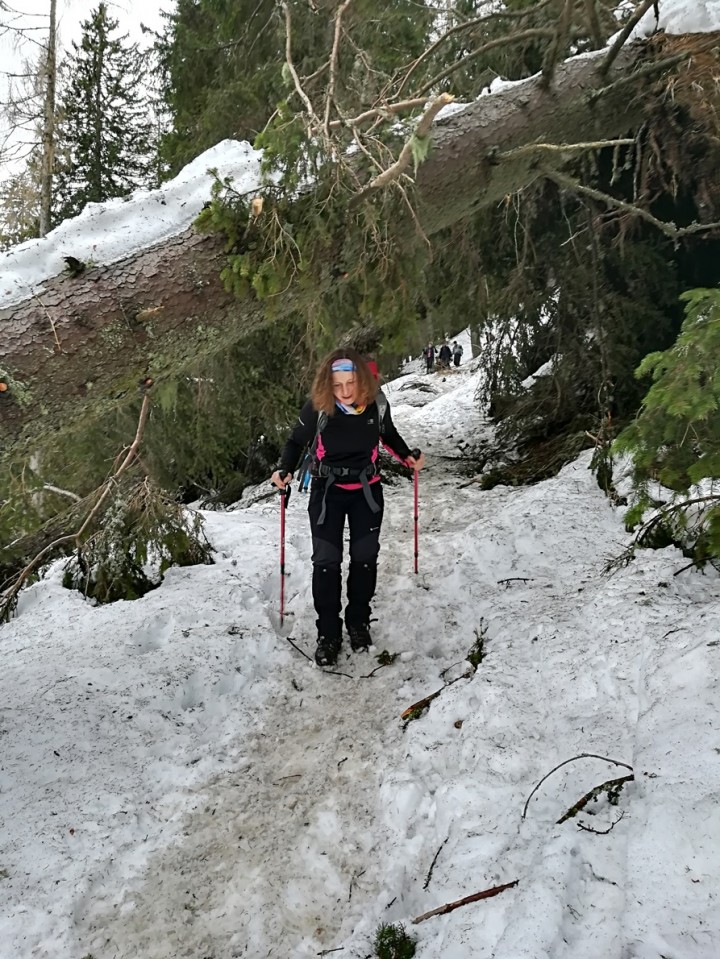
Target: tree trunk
(83,344)
(48,134)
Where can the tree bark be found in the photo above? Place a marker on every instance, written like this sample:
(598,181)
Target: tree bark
(468,166)
(80,346)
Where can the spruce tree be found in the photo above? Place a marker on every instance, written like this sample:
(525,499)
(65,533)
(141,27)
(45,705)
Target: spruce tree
(105,132)
(223,70)
(20,205)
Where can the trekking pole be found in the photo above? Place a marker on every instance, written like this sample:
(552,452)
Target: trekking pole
(416,455)
(284,498)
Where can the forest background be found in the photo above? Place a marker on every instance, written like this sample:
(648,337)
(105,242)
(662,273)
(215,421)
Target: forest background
(601,267)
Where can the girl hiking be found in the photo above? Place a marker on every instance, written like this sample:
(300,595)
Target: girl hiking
(343,423)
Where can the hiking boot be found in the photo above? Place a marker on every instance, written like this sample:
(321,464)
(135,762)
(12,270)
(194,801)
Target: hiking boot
(359,637)
(327,651)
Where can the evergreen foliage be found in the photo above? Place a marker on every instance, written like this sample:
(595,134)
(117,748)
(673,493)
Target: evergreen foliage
(212,431)
(143,534)
(546,278)
(104,132)
(20,206)
(220,73)
(222,63)
(675,438)
(392,942)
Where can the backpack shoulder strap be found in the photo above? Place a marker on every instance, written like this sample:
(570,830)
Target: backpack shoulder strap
(382,405)
(322,419)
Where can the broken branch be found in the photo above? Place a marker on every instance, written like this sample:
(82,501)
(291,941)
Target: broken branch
(333,65)
(608,787)
(421,131)
(563,147)
(619,43)
(476,897)
(605,759)
(387,109)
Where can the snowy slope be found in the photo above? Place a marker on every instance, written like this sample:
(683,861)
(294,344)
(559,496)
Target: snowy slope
(178,780)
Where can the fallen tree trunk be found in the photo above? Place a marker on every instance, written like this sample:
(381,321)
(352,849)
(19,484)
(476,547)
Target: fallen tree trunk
(80,347)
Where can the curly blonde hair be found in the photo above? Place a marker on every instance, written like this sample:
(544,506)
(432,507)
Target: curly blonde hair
(322,394)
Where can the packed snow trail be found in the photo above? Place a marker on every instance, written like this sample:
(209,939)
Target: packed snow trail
(282,810)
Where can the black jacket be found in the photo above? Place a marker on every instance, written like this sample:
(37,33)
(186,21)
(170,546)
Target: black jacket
(348,440)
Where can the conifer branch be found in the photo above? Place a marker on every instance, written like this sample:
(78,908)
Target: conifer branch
(619,43)
(9,594)
(559,41)
(460,28)
(594,22)
(708,502)
(387,109)
(530,148)
(333,65)
(62,492)
(532,33)
(421,131)
(656,66)
(291,66)
(607,787)
(669,229)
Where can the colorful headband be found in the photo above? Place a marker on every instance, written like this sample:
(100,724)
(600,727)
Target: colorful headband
(343,366)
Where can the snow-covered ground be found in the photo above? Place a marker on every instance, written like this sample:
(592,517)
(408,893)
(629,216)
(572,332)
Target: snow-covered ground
(177,780)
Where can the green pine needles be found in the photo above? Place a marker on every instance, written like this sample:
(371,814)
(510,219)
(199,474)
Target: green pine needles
(323,256)
(675,439)
(392,942)
(143,533)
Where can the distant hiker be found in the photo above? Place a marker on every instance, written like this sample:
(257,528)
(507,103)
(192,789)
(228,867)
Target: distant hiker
(444,356)
(344,421)
(429,354)
(457,352)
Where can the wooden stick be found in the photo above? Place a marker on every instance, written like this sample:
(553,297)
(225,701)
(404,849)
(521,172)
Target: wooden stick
(476,896)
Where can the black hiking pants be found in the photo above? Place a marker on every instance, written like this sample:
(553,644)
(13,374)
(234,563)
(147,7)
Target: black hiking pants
(327,555)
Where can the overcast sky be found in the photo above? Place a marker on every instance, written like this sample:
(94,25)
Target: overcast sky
(71,14)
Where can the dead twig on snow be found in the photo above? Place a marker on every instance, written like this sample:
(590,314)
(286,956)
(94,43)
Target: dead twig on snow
(602,832)
(608,787)
(476,897)
(605,759)
(432,864)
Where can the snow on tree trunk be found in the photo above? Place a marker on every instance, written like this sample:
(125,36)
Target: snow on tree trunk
(83,346)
